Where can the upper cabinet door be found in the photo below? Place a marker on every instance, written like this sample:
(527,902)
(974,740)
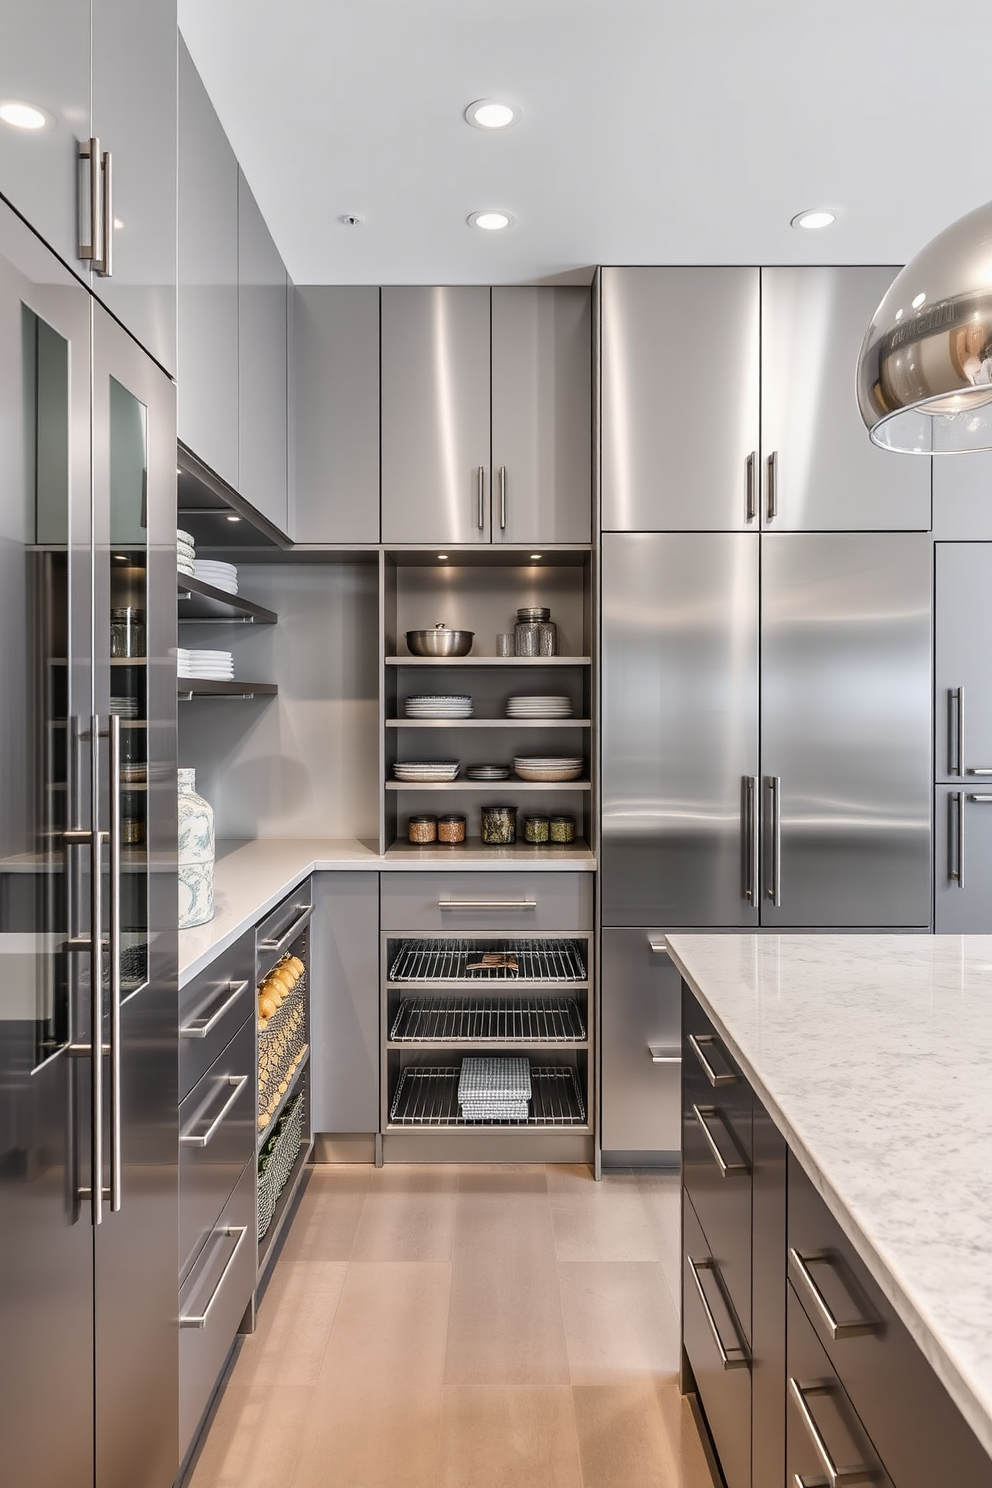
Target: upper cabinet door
(262,348)
(680,375)
(435,415)
(963,687)
(208,280)
(45,62)
(541,415)
(134,117)
(820,471)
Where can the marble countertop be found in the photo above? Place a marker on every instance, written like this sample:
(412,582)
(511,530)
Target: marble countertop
(873,1054)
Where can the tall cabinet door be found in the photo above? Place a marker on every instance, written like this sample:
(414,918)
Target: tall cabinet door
(845,729)
(262,355)
(820,471)
(46,1221)
(435,415)
(963,686)
(134,494)
(680,373)
(962,890)
(680,728)
(541,415)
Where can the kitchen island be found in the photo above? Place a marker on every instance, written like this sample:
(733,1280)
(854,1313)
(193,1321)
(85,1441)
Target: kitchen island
(871,1055)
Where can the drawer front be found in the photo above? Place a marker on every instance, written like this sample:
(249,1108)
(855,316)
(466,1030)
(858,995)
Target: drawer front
(212,1302)
(285,929)
(217,1122)
(824,1436)
(212,1009)
(884,1372)
(717,1351)
(454,902)
(717,1152)
(642,1044)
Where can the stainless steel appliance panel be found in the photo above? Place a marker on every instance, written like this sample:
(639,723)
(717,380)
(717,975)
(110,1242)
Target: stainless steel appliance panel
(963,859)
(673,460)
(435,388)
(845,729)
(641,1031)
(828,474)
(962,684)
(212,1007)
(217,1131)
(680,728)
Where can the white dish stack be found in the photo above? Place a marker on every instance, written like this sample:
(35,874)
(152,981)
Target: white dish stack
(457,706)
(217,666)
(548,767)
(426,771)
(185,552)
(218,575)
(539,707)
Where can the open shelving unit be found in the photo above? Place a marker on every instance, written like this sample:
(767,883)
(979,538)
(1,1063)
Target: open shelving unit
(203,604)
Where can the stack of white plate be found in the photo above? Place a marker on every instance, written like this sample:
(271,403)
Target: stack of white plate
(459,706)
(488,772)
(185,552)
(539,707)
(124,707)
(548,767)
(216,665)
(219,575)
(425,771)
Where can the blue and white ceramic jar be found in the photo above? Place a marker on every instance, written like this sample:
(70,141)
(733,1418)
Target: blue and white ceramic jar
(196,854)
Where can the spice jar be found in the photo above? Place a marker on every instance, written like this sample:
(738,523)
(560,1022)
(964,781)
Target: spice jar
(421,830)
(536,829)
(562,829)
(548,638)
(451,829)
(499,825)
(127,631)
(527,631)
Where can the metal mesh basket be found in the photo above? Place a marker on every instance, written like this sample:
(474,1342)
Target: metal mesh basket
(281,1046)
(276,1161)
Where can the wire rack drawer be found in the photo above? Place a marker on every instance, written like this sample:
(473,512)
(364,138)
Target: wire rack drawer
(504,1020)
(427,1095)
(452,960)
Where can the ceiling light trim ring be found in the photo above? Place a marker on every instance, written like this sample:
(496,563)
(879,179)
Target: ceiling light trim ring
(499,219)
(502,115)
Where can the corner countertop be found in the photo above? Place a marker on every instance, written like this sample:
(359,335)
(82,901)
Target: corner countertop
(251,878)
(873,1055)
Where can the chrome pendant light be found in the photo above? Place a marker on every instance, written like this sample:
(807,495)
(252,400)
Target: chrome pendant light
(925,369)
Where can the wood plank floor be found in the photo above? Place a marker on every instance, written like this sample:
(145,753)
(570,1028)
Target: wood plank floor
(465,1327)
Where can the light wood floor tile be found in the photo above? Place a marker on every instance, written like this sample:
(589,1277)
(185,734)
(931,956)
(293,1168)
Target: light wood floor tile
(503,1210)
(294,1324)
(327,1220)
(661,1195)
(409,1214)
(508,1438)
(377,1403)
(254,1437)
(639,1434)
(619,1321)
(603,1221)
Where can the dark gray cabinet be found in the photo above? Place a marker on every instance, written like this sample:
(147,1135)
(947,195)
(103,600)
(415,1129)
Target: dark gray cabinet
(641,1023)
(344,1003)
(262,364)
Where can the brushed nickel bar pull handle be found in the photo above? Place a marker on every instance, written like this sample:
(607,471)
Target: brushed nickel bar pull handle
(502,498)
(752,867)
(196,1029)
(96,981)
(726,1168)
(771,508)
(801,1263)
(981,797)
(979,770)
(839,1477)
(773,784)
(199,1320)
(482,498)
(696,1043)
(957,696)
(955,866)
(104,265)
(90,150)
(487,904)
(752,486)
(659,945)
(288,936)
(238,1083)
(664,1054)
(116,1162)
(737,1360)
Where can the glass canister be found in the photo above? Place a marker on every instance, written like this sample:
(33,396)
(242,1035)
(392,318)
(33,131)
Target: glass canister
(451,829)
(196,854)
(421,829)
(527,631)
(127,631)
(536,829)
(499,826)
(562,829)
(548,638)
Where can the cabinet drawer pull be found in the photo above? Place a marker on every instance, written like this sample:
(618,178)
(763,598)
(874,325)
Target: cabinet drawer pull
(487,904)
(198,1029)
(857,1327)
(839,1477)
(279,945)
(238,1083)
(752,491)
(771,508)
(736,1356)
(482,498)
(199,1319)
(701,1113)
(502,498)
(696,1042)
(659,945)
(664,1054)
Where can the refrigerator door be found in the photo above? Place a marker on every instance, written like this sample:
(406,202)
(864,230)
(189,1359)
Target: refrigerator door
(845,729)
(680,728)
(46,1233)
(134,504)
(962,686)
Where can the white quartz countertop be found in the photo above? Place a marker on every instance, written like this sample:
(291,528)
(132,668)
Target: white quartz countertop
(873,1054)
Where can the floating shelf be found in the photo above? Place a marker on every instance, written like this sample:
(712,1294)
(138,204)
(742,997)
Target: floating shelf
(488,661)
(428,1096)
(488,785)
(202,604)
(191,687)
(489,723)
(488,1020)
(515,855)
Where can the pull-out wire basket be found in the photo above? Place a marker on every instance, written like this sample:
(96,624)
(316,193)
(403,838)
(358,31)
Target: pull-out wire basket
(427,1095)
(453,960)
(502,1020)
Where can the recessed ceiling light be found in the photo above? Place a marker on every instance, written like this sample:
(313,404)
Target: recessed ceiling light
(814,218)
(351,219)
(23,115)
(234,519)
(491,221)
(490,113)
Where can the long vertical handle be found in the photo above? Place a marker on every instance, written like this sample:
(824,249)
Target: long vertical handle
(115,963)
(774,889)
(502,498)
(955,736)
(751,466)
(96,978)
(90,150)
(771,506)
(752,868)
(104,265)
(955,866)
(482,498)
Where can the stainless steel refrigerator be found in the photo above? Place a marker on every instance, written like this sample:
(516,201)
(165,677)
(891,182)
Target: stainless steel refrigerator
(88,948)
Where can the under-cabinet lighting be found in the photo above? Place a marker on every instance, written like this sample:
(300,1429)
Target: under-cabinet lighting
(442,557)
(813,218)
(22,115)
(491,113)
(491,221)
(234,519)
(535,556)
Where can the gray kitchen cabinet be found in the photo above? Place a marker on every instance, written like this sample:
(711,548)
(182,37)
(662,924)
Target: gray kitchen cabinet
(541,415)
(262,364)
(208,280)
(344,1002)
(962,498)
(962,851)
(820,471)
(336,379)
(641,1021)
(680,398)
(963,687)
(435,399)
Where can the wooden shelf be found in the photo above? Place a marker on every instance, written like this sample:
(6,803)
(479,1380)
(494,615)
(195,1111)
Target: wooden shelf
(519,854)
(201,604)
(191,687)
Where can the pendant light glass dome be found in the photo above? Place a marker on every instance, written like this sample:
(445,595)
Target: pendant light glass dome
(925,369)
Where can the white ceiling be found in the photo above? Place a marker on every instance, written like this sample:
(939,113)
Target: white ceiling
(652,131)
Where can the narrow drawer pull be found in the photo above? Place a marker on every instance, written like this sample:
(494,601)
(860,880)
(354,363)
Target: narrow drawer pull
(696,1042)
(839,1477)
(857,1327)
(736,1356)
(487,904)
(199,1319)
(664,1054)
(701,1113)
(198,1027)
(238,1083)
(659,945)
(279,944)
